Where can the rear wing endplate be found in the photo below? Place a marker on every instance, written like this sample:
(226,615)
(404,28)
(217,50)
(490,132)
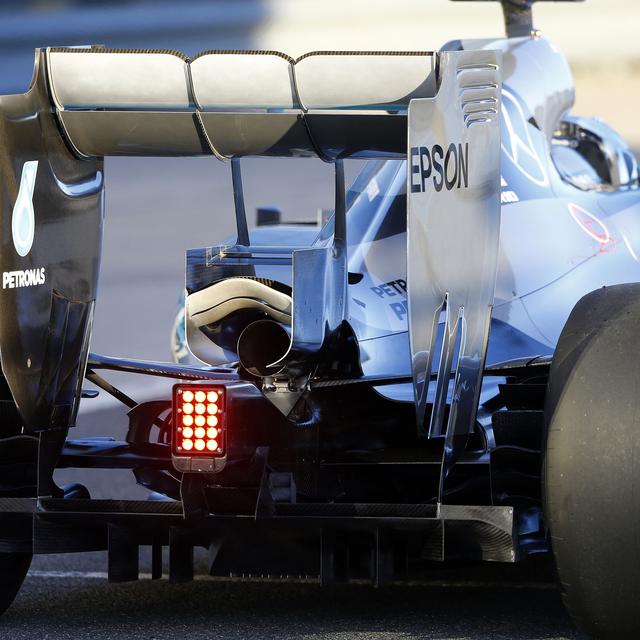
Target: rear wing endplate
(453,208)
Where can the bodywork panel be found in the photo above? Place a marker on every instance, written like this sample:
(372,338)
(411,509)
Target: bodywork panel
(51,233)
(453,226)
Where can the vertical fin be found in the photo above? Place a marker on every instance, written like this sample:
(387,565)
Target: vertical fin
(453,222)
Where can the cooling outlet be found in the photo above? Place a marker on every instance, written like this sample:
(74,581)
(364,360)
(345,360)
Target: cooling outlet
(262,346)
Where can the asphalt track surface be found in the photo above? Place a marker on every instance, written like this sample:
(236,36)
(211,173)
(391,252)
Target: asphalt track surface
(155,210)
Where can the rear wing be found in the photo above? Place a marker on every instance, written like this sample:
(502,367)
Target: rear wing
(328,104)
(439,110)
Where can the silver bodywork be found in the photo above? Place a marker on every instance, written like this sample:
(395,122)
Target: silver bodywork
(456,279)
(561,235)
(351,105)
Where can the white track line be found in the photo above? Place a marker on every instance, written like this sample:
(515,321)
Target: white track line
(450,584)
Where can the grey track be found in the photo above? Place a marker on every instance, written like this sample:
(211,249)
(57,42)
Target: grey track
(76,608)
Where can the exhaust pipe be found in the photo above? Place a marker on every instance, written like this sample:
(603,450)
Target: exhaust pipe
(261,344)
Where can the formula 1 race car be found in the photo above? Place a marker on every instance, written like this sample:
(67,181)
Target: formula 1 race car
(444,371)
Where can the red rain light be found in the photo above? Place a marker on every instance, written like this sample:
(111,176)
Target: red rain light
(198,418)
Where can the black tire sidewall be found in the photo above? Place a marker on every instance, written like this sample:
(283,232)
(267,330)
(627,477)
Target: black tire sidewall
(591,462)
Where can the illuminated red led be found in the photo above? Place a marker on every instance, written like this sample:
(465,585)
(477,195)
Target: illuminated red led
(199,419)
(187,420)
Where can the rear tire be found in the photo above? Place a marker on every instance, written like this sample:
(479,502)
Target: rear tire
(18,464)
(13,570)
(592,462)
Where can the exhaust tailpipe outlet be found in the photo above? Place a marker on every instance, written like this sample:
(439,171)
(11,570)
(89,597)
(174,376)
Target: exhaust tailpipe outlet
(262,343)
